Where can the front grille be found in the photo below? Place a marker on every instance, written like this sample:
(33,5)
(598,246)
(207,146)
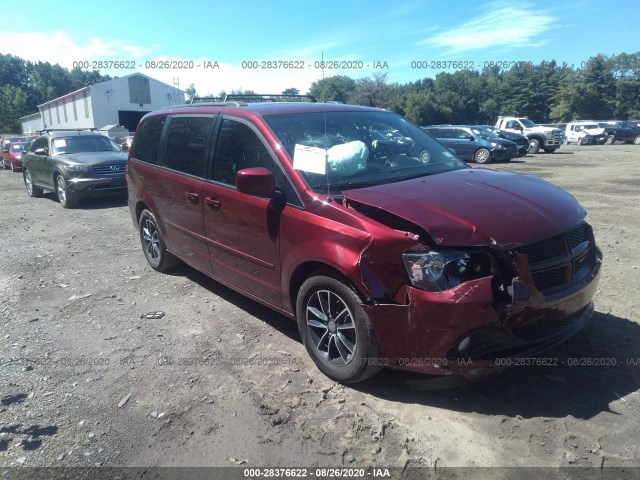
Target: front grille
(109,170)
(561,260)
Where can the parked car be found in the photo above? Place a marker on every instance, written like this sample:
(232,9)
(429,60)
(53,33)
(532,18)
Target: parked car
(74,164)
(521,141)
(385,144)
(585,132)
(628,132)
(547,138)
(12,156)
(428,266)
(470,146)
(510,148)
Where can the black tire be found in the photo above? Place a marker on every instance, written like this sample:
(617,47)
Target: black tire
(344,347)
(155,251)
(4,166)
(534,146)
(580,140)
(551,150)
(425,156)
(610,140)
(636,141)
(482,156)
(12,167)
(66,198)
(32,190)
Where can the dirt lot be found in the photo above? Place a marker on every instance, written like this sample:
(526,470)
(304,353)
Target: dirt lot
(221,381)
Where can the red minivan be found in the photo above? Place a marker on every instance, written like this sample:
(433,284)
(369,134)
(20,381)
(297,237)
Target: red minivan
(400,258)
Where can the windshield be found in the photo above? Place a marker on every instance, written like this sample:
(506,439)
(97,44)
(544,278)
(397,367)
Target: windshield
(17,147)
(83,143)
(484,133)
(527,123)
(344,150)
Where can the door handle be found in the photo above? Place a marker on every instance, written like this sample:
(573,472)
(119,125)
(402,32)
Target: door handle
(193,197)
(213,203)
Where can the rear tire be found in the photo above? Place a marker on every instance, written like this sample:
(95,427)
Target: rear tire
(336,331)
(610,140)
(153,244)
(636,141)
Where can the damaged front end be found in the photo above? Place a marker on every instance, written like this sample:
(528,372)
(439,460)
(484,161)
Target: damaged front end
(476,310)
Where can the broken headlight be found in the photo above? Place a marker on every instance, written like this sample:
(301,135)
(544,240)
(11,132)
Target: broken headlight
(437,271)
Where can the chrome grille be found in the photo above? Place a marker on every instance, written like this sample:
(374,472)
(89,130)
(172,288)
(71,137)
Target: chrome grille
(110,169)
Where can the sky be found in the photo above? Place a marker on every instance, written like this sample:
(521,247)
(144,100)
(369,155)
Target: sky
(251,44)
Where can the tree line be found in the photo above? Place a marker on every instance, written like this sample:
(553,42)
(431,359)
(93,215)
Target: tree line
(603,87)
(24,85)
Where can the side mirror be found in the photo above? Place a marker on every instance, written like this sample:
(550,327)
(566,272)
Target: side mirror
(40,151)
(256,181)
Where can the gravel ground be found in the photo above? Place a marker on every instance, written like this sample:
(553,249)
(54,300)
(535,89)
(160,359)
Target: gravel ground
(90,377)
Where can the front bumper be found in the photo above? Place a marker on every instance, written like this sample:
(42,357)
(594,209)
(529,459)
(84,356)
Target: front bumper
(593,139)
(425,335)
(97,186)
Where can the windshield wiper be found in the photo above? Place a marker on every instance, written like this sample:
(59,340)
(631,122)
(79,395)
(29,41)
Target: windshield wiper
(345,185)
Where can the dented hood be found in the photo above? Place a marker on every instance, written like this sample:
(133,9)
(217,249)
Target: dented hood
(474,207)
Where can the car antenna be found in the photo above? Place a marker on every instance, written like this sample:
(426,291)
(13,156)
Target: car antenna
(326,153)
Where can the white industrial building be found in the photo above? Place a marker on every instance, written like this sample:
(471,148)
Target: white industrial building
(119,102)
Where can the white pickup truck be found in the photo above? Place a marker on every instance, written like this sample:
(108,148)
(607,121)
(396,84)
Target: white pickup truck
(547,138)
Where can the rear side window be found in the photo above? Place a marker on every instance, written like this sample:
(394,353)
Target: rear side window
(445,133)
(186,149)
(147,138)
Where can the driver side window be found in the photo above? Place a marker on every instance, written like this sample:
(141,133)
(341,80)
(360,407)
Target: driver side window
(238,147)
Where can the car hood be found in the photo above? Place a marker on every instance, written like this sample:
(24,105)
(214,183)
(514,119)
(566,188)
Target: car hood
(476,207)
(501,141)
(91,158)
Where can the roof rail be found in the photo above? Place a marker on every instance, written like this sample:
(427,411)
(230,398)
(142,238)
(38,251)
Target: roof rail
(269,97)
(47,130)
(206,100)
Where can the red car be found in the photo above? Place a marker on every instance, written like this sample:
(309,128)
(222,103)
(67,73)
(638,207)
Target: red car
(12,156)
(385,259)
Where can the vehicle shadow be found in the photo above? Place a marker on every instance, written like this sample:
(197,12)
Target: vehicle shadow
(91,203)
(280,322)
(598,366)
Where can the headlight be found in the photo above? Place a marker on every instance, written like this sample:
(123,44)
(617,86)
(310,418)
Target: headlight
(75,168)
(497,146)
(438,271)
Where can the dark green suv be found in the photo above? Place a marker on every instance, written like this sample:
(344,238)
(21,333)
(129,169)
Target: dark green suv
(74,164)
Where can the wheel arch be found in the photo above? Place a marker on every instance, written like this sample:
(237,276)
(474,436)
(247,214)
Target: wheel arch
(313,268)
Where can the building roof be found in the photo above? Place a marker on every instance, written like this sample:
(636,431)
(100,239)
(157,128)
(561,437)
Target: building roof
(117,79)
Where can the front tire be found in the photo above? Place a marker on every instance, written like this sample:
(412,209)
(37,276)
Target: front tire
(336,331)
(32,190)
(153,244)
(482,156)
(66,198)
(636,141)
(534,146)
